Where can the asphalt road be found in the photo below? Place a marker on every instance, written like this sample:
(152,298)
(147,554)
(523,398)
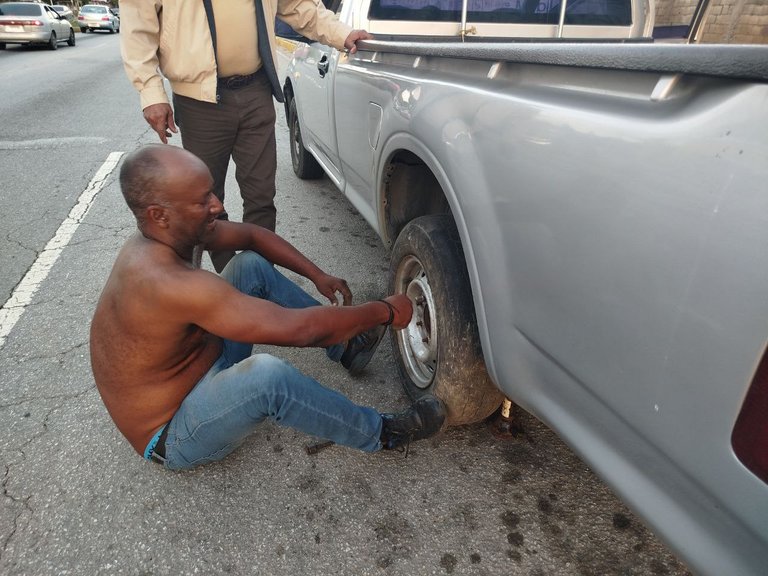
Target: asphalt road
(78,500)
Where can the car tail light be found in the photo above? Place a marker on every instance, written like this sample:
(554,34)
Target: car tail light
(105,18)
(750,435)
(22,23)
(81,17)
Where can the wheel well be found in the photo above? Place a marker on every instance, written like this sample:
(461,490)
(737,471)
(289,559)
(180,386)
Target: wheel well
(410,190)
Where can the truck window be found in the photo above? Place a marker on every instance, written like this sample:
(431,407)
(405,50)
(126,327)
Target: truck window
(577,12)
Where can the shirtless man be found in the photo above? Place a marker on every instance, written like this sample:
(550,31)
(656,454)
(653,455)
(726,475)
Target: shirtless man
(171,343)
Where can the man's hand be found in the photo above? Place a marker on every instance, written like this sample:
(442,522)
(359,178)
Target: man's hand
(351,42)
(328,286)
(403,310)
(160,117)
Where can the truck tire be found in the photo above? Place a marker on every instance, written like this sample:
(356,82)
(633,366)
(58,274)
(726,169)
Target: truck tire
(439,351)
(304,164)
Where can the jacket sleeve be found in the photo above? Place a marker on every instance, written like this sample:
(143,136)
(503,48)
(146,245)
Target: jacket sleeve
(311,19)
(139,46)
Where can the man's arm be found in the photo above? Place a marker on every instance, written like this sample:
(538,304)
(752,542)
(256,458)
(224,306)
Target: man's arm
(139,45)
(204,299)
(314,21)
(242,236)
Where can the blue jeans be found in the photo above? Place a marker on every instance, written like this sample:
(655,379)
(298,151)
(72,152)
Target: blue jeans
(240,390)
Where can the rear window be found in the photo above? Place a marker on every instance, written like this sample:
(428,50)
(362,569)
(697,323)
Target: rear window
(20,10)
(577,12)
(93,10)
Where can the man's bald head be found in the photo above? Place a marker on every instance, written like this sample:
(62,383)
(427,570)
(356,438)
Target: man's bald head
(148,172)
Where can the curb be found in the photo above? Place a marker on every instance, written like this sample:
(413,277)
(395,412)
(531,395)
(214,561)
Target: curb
(289,45)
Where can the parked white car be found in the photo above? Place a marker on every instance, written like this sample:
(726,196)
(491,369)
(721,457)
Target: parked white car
(96,17)
(32,23)
(64,11)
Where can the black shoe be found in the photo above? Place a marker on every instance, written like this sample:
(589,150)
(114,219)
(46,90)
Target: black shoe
(423,419)
(361,348)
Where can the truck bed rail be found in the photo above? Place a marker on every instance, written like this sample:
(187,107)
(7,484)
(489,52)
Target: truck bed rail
(742,62)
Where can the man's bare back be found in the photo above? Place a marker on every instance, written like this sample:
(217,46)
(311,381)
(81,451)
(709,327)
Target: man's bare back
(145,359)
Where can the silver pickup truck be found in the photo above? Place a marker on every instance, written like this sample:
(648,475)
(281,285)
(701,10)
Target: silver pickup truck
(579,213)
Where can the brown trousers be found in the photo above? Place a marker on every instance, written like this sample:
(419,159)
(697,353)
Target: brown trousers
(240,126)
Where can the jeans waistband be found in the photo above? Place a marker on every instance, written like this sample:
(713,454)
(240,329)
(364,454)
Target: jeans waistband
(155,450)
(237,81)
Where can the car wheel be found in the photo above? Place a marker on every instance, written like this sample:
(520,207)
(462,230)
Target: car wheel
(71,41)
(439,351)
(112,30)
(84,30)
(53,42)
(304,164)
(2,45)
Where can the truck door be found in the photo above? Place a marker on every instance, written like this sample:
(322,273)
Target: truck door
(315,91)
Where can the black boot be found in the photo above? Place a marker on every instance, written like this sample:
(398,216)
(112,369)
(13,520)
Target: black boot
(423,419)
(360,349)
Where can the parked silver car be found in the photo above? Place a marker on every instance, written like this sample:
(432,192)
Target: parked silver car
(96,17)
(64,11)
(32,23)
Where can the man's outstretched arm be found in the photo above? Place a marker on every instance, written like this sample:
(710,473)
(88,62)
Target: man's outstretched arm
(239,236)
(206,300)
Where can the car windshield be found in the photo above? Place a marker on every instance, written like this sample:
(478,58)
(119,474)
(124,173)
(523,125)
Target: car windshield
(21,9)
(93,10)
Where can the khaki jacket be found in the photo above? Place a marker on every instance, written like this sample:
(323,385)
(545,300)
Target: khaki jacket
(172,37)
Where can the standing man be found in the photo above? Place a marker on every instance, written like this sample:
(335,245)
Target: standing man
(171,343)
(220,59)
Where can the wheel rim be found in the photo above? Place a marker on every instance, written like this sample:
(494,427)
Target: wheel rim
(418,340)
(295,143)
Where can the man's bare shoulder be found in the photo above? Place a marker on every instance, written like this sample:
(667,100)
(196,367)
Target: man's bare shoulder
(149,280)
(154,266)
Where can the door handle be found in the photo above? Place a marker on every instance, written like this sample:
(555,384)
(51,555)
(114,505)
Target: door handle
(322,66)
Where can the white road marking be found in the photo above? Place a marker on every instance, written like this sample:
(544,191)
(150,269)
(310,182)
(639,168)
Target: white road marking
(22,295)
(42,143)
